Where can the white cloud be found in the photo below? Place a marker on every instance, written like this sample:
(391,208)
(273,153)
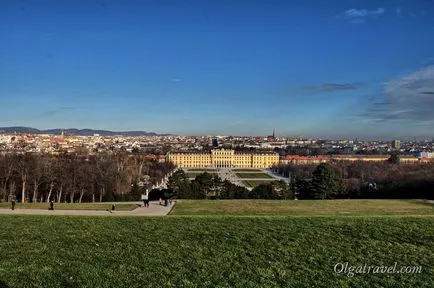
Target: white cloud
(362,13)
(398,11)
(409,97)
(175,80)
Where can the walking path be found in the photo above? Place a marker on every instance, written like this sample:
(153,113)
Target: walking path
(154,209)
(277,176)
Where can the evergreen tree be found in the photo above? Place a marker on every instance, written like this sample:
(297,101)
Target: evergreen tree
(326,182)
(302,189)
(179,185)
(394,158)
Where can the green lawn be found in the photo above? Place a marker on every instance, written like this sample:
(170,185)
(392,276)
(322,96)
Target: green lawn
(246,170)
(253,175)
(254,183)
(70,206)
(201,169)
(46,251)
(302,207)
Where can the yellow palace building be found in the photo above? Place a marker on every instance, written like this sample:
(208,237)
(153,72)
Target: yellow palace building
(223,158)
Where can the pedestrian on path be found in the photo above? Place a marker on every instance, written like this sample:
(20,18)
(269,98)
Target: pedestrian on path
(146,199)
(143,200)
(13,204)
(51,205)
(113,207)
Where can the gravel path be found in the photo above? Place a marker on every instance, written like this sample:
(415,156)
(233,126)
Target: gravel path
(154,210)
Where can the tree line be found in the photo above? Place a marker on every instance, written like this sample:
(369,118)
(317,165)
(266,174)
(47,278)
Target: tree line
(31,177)
(343,179)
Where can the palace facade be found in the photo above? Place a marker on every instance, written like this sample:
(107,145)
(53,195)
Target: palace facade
(219,158)
(223,158)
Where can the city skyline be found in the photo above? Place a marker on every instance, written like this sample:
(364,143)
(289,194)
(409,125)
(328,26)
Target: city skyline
(21,130)
(352,69)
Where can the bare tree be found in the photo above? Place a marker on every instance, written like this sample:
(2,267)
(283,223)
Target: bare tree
(8,164)
(37,174)
(23,170)
(85,178)
(50,175)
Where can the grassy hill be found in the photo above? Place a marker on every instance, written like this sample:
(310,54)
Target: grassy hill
(272,248)
(71,206)
(303,207)
(43,251)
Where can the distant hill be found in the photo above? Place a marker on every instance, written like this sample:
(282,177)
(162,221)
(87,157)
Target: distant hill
(73,131)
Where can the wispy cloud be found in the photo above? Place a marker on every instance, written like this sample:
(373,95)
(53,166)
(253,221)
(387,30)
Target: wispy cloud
(68,108)
(413,14)
(409,98)
(57,111)
(329,87)
(357,16)
(175,80)
(49,113)
(428,61)
(382,103)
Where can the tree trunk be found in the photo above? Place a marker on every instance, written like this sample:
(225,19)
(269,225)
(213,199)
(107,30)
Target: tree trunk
(59,196)
(49,192)
(35,191)
(5,190)
(71,197)
(81,195)
(12,190)
(23,192)
(93,197)
(140,170)
(101,193)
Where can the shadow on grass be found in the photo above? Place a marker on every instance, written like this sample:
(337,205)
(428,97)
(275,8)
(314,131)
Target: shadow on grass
(3,284)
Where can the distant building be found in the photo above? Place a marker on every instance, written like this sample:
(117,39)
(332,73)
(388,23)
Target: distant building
(300,160)
(425,155)
(396,144)
(272,137)
(224,158)
(215,143)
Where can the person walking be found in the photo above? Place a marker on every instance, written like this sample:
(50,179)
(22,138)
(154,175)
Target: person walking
(51,205)
(146,195)
(13,204)
(143,200)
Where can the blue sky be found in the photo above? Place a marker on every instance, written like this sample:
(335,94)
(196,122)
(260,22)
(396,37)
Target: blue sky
(333,69)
